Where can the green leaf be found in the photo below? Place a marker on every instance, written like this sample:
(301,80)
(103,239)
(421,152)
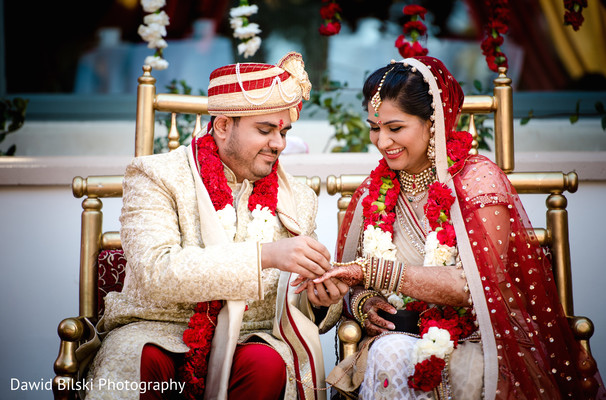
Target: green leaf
(574,119)
(478,85)
(599,106)
(525,120)
(604,123)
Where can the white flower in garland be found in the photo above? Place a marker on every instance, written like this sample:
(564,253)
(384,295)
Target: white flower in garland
(396,300)
(243,30)
(262,227)
(156,62)
(438,254)
(247,31)
(250,47)
(243,10)
(436,342)
(151,6)
(153,31)
(227,217)
(379,243)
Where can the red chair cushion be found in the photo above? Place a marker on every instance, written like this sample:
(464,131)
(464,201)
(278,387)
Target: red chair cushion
(112,264)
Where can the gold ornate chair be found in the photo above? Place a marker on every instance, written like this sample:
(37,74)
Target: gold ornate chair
(101,259)
(554,235)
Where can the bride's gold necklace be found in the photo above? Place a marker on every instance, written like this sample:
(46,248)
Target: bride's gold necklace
(416,183)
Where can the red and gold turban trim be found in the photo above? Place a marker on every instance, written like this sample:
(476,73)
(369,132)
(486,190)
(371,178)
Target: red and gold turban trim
(254,88)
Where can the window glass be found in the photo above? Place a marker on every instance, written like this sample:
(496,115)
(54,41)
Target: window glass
(92,48)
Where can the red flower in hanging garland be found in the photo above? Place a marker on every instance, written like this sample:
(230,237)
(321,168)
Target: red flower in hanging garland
(427,375)
(498,25)
(382,198)
(574,13)
(415,28)
(439,201)
(457,149)
(414,9)
(440,328)
(330,14)
(198,337)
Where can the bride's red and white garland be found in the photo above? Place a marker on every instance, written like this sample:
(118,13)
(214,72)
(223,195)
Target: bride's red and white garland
(262,203)
(441,327)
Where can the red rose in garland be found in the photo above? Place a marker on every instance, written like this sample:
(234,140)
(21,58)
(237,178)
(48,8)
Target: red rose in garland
(498,25)
(457,150)
(330,14)
(574,13)
(447,235)
(415,28)
(427,375)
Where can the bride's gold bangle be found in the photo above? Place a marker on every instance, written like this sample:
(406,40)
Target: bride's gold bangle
(361,261)
(358,303)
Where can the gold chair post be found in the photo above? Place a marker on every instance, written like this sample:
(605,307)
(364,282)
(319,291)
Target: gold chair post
(474,134)
(71,331)
(90,236)
(92,222)
(173,133)
(346,185)
(557,225)
(503,122)
(349,335)
(145,120)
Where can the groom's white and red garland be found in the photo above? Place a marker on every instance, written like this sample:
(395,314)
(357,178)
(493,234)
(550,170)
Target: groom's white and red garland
(262,203)
(441,327)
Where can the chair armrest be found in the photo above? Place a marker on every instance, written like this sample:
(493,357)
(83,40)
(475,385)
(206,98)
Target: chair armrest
(582,329)
(350,334)
(71,331)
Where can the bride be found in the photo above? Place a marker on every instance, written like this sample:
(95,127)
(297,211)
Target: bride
(443,237)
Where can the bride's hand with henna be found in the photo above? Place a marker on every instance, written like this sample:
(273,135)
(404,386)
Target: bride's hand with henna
(351,274)
(373,324)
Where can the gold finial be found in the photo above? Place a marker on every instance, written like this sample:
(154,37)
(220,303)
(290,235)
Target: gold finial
(147,77)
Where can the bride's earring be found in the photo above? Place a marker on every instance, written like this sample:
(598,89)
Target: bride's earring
(431,147)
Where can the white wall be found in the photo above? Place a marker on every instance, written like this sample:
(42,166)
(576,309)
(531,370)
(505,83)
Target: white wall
(39,247)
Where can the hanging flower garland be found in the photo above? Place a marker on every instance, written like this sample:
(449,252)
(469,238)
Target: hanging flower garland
(379,212)
(497,26)
(153,31)
(415,29)
(332,19)
(441,327)
(262,203)
(244,30)
(574,13)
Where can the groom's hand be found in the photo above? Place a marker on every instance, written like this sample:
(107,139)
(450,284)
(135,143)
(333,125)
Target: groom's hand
(301,255)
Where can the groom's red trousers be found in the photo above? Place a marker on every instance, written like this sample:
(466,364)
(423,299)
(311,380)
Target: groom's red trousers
(257,372)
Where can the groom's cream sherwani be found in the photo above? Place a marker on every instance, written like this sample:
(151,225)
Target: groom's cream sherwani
(179,255)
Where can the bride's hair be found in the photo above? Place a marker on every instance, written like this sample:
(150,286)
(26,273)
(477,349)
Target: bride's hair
(402,86)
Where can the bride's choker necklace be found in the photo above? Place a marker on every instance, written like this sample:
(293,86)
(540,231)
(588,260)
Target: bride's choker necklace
(416,183)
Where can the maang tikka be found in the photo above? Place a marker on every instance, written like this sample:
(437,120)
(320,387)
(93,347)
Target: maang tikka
(375,101)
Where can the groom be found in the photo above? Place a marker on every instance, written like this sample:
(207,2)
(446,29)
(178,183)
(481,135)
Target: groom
(214,234)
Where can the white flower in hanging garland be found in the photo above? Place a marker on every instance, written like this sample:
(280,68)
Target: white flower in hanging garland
(153,31)
(244,30)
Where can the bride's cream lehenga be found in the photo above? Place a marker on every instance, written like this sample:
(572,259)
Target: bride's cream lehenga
(389,356)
